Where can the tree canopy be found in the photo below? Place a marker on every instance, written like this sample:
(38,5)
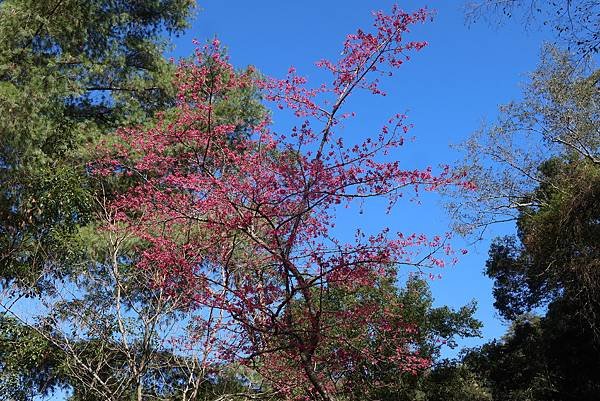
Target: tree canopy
(70,72)
(539,166)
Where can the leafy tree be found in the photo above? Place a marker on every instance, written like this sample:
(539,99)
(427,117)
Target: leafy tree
(453,381)
(553,263)
(540,166)
(556,253)
(549,358)
(422,328)
(29,364)
(70,71)
(508,162)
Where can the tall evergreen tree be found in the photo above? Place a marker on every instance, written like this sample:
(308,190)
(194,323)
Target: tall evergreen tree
(70,71)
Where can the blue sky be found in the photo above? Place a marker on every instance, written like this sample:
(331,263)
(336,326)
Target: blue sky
(447,90)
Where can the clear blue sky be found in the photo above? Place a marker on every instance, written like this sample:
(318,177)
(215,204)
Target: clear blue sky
(447,90)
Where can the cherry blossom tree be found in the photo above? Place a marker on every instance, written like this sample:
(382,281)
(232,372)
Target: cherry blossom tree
(237,218)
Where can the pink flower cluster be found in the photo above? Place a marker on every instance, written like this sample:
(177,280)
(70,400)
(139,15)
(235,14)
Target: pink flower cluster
(240,222)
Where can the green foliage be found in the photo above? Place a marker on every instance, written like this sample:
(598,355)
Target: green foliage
(70,72)
(509,162)
(540,165)
(550,358)
(40,212)
(554,263)
(428,330)
(453,381)
(556,254)
(29,364)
